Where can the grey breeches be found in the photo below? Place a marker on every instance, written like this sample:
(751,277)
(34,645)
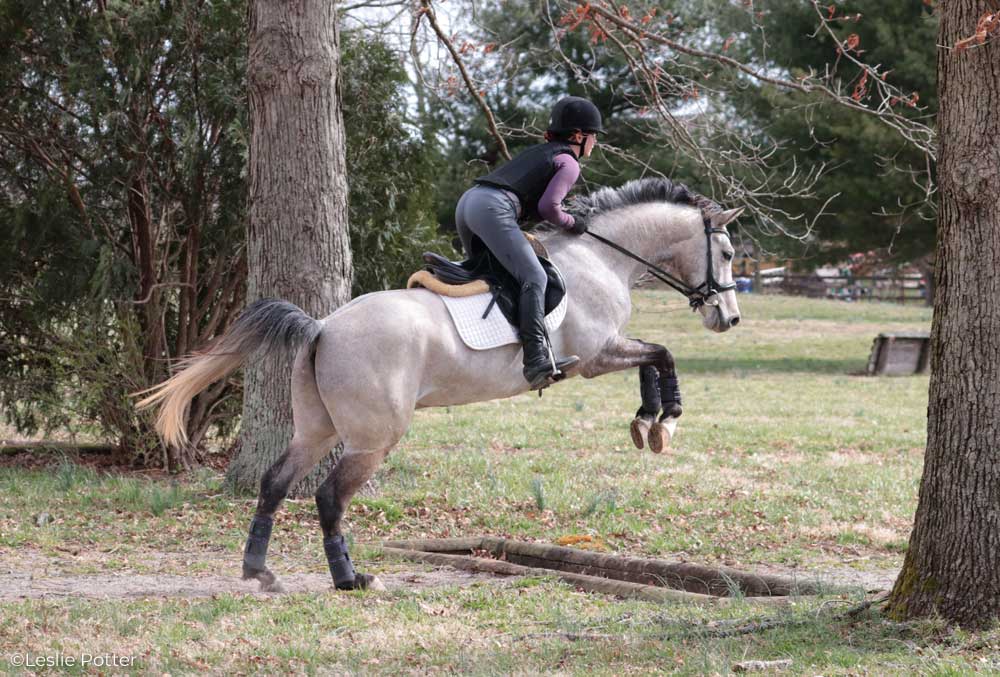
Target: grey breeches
(489,214)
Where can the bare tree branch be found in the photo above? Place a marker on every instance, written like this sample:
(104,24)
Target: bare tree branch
(428,11)
(914,132)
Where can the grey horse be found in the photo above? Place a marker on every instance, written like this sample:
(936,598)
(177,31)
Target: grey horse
(361,372)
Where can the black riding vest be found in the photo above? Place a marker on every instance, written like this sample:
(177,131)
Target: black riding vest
(528,174)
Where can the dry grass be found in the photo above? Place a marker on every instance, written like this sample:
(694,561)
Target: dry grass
(784,462)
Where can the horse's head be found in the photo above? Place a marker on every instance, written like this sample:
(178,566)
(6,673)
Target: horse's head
(683,233)
(704,262)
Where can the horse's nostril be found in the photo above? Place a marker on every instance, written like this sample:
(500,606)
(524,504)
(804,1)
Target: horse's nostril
(735,321)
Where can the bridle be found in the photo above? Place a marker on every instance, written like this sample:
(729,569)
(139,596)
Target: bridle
(697,296)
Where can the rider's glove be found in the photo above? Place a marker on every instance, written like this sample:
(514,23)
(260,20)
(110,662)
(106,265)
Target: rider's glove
(579,226)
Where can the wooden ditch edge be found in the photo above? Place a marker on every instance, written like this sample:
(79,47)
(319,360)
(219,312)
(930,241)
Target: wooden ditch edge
(629,577)
(27,446)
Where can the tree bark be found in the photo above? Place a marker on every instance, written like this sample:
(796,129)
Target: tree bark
(297,240)
(952,567)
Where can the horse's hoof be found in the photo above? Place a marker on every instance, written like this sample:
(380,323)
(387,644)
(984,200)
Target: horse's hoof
(361,582)
(659,438)
(639,429)
(268,581)
(274,586)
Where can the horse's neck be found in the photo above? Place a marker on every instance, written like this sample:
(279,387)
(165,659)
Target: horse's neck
(640,229)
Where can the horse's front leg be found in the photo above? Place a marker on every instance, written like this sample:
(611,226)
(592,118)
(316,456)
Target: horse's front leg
(658,387)
(663,430)
(645,415)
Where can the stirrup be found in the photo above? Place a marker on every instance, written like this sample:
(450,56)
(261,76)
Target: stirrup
(559,367)
(556,372)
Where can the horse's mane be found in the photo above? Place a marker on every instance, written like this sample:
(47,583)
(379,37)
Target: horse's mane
(634,192)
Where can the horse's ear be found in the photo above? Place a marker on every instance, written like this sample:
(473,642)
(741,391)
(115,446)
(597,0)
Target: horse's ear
(722,218)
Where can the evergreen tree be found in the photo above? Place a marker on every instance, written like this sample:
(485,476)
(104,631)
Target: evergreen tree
(390,169)
(878,178)
(123,200)
(123,203)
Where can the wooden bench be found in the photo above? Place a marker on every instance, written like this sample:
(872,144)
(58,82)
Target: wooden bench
(900,354)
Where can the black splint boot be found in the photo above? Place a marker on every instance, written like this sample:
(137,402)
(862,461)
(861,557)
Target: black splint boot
(540,366)
(341,568)
(255,552)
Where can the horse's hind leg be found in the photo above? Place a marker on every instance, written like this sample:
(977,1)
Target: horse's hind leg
(369,380)
(301,456)
(348,476)
(314,438)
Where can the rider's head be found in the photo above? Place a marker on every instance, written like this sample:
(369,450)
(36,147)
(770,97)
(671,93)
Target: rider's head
(576,121)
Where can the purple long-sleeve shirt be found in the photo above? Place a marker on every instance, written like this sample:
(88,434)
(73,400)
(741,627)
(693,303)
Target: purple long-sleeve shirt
(550,204)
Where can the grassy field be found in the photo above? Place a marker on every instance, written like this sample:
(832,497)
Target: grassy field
(786,461)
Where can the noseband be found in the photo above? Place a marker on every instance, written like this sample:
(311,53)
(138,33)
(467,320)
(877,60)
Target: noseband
(697,296)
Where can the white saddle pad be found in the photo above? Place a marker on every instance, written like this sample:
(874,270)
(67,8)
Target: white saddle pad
(479,334)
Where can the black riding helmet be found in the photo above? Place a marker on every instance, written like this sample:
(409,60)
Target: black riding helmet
(574,112)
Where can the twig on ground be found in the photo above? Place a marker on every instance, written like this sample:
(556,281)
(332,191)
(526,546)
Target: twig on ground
(697,633)
(857,609)
(754,666)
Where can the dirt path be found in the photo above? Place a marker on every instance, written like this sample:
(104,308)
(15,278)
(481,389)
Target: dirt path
(31,574)
(869,580)
(125,585)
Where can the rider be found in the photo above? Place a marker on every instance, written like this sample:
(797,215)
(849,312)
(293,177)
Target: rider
(532,187)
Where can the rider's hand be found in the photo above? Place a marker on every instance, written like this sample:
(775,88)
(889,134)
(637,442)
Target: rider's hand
(579,226)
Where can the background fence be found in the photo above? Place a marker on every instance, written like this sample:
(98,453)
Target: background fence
(909,288)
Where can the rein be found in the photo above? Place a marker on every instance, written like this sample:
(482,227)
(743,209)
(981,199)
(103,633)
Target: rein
(697,296)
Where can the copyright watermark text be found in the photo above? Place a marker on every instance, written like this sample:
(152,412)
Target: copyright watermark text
(59,659)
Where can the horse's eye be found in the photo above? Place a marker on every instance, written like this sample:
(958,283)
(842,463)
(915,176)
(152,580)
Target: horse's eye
(727,256)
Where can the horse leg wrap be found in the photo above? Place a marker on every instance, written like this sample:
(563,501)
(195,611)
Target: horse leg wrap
(650,392)
(341,567)
(670,395)
(255,553)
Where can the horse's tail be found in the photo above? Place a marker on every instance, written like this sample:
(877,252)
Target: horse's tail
(268,324)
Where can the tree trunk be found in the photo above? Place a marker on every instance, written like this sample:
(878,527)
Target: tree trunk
(297,239)
(952,567)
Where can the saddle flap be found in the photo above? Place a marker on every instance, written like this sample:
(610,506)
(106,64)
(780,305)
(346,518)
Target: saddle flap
(495,330)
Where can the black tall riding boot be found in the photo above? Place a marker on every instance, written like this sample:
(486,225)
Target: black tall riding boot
(540,364)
